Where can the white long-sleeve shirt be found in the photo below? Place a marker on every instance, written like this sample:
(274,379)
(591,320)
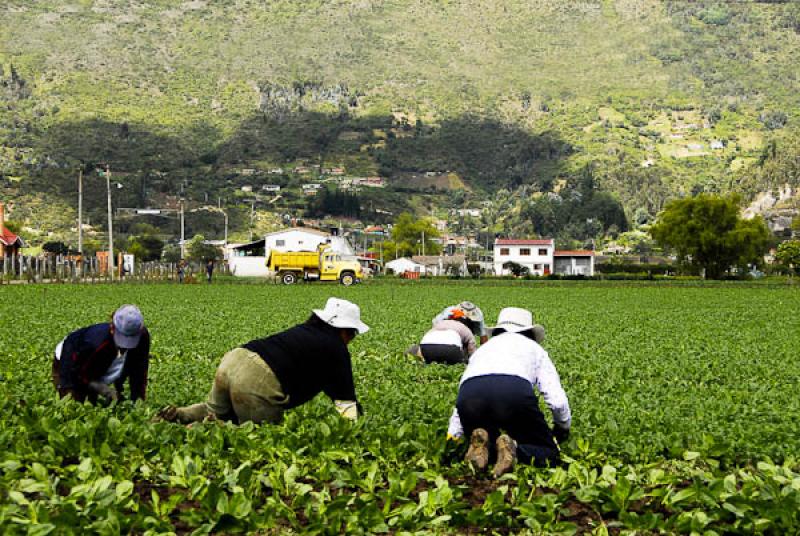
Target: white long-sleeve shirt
(516,355)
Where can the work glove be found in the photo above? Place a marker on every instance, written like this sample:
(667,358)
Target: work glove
(347,409)
(561,434)
(105,391)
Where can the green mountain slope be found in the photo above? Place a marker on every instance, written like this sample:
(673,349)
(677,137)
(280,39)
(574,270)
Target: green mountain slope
(661,98)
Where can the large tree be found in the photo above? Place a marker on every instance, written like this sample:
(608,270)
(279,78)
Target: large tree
(411,237)
(707,233)
(789,255)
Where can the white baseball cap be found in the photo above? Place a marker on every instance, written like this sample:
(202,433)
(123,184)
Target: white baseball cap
(514,320)
(342,314)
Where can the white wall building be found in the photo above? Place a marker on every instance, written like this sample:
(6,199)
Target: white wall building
(541,258)
(536,255)
(403,264)
(306,239)
(574,262)
(440,265)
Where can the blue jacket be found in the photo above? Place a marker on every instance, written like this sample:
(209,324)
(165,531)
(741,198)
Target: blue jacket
(87,354)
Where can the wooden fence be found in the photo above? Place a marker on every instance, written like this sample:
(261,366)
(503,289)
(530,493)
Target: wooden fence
(60,269)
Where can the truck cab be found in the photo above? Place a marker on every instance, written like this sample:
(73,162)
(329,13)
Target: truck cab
(333,268)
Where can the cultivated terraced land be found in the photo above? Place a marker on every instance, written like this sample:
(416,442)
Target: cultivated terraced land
(684,399)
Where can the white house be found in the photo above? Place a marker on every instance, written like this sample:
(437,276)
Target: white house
(403,264)
(437,265)
(573,262)
(536,255)
(247,260)
(306,239)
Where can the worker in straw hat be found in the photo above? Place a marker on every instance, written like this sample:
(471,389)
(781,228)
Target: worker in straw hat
(497,407)
(261,379)
(95,361)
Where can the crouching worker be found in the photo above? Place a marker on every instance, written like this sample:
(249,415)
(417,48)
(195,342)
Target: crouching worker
(96,360)
(497,407)
(450,341)
(263,378)
(470,311)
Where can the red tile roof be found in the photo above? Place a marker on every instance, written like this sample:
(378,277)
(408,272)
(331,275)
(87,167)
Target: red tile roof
(8,238)
(514,242)
(573,253)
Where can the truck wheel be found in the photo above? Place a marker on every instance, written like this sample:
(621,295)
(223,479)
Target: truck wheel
(347,279)
(289,278)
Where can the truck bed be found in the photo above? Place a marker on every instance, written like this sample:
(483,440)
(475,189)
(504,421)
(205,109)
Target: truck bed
(293,260)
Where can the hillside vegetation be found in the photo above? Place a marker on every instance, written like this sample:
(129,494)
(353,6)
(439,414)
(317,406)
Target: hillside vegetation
(661,98)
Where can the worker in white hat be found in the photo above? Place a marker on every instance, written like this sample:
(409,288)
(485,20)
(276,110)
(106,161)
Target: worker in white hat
(497,407)
(260,380)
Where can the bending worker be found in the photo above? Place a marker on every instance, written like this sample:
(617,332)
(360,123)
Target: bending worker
(497,407)
(450,341)
(260,380)
(471,312)
(96,360)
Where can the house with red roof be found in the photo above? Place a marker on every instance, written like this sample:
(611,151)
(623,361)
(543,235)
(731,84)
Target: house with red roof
(10,243)
(540,257)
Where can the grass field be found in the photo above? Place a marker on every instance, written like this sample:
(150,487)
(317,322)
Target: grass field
(684,402)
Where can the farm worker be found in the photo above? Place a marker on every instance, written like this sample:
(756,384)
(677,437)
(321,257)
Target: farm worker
(96,360)
(181,271)
(209,270)
(497,407)
(450,341)
(263,378)
(471,312)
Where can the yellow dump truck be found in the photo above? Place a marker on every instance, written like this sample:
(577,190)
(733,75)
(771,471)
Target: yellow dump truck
(321,265)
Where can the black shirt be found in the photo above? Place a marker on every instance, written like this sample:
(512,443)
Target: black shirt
(308,360)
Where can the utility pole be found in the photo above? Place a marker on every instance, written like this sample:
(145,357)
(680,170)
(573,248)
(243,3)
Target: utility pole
(423,243)
(252,217)
(183,241)
(110,225)
(80,221)
(225,214)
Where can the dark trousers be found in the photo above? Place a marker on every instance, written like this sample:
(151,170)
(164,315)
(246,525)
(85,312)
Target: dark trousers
(442,353)
(502,403)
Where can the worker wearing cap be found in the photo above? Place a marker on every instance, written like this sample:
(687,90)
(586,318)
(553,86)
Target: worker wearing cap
(497,407)
(470,311)
(262,379)
(450,341)
(96,360)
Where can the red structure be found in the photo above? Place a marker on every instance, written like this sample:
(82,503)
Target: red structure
(10,243)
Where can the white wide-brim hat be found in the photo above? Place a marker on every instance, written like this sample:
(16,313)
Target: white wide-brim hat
(514,320)
(342,314)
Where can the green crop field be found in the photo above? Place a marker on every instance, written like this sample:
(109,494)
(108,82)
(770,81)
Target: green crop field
(684,400)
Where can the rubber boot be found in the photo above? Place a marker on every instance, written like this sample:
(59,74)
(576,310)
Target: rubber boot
(478,453)
(506,455)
